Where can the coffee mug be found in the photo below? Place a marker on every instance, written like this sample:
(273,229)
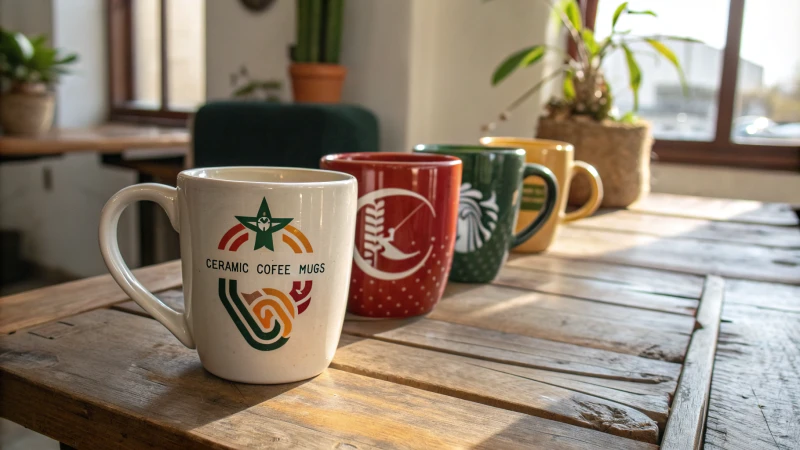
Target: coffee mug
(559,157)
(490,199)
(405,230)
(265,260)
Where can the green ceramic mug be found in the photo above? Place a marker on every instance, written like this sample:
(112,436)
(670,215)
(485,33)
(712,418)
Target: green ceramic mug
(487,212)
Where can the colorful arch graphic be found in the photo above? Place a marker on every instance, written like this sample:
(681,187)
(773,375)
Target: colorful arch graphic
(265,317)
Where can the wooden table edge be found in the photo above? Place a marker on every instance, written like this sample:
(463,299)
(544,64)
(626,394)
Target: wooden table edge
(687,418)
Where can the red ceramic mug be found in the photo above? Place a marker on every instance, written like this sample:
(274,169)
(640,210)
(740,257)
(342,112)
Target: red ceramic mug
(405,230)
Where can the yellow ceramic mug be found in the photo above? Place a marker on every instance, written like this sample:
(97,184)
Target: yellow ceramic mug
(560,158)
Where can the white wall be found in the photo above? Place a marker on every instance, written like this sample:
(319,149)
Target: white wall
(59,224)
(456,46)
(260,41)
(760,185)
(376,41)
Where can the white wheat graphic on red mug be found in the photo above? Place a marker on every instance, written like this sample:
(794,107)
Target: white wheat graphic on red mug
(373,231)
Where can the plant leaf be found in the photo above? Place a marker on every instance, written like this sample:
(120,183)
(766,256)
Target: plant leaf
(569,86)
(679,38)
(647,12)
(522,58)
(667,53)
(622,7)
(629,117)
(635,74)
(588,38)
(573,13)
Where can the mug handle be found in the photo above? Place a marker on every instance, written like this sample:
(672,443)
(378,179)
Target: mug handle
(167,198)
(549,202)
(596,196)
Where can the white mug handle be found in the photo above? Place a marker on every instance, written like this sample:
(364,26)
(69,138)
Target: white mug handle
(167,197)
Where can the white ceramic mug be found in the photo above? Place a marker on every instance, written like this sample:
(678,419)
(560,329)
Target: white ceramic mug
(266,256)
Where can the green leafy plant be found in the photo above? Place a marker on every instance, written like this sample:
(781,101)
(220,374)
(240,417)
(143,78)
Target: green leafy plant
(249,89)
(319,31)
(585,90)
(25,61)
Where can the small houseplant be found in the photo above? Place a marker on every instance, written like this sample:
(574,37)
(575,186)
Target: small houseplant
(316,74)
(246,88)
(28,69)
(619,147)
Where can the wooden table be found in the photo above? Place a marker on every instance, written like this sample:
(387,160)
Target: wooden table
(156,154)
(606,341)
(106,138)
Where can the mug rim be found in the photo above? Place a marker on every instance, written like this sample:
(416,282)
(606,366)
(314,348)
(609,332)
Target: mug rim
(468,148)
(504,141)
(332,177)
(384,159)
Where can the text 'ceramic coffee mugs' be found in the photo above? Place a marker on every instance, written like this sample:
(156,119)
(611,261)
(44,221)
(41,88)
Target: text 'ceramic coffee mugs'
(266,262)
(490,199)
(405,230)
(559,157)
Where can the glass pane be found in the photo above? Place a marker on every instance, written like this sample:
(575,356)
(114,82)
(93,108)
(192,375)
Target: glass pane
(147,53)
(186,53)
(661,98)
(768,87)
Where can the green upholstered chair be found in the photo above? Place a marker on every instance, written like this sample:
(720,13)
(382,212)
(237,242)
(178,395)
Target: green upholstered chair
(236,133)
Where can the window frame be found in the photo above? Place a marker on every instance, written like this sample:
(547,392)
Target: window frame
(121,75)
(722,150)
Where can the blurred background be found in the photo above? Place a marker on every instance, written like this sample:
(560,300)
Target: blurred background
(422,67)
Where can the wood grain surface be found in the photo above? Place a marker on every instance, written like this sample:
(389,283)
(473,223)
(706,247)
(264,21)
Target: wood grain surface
(702,229)
(694,256)
(57,302)
(742,211)
(123,381)
(633,278)
(650,334)
(688,415)
(111,137)
(755,390)
(597,290)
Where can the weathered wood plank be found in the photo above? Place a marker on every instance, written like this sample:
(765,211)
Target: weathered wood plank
(649,334)
(612,408)
(518,350)
(688,416)
(634,278)
(755,390)
(779,297)
(63,300)
(172,298)
(681,255)
(123,381)
(684,227)
(744,211)
(601,291)
(544,393)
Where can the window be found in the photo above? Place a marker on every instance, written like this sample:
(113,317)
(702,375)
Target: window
(743,102)
(157,59)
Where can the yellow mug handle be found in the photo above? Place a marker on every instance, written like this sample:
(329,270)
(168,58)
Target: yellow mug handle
(596,196)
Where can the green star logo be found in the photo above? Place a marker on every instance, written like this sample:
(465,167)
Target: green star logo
(264,225)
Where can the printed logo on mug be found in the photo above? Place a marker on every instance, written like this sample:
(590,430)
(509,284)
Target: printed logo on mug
(559,157)
(265,316)
(489,203)
(405,230)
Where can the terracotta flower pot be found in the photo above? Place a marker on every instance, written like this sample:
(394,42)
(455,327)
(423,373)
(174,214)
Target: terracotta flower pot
(27,109)
(317,83)
(620,153)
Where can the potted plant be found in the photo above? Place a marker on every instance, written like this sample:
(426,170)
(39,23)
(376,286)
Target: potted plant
(617,146)
(316,74)
(28,69)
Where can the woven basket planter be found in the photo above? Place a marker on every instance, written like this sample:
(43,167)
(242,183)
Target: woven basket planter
(619,152)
